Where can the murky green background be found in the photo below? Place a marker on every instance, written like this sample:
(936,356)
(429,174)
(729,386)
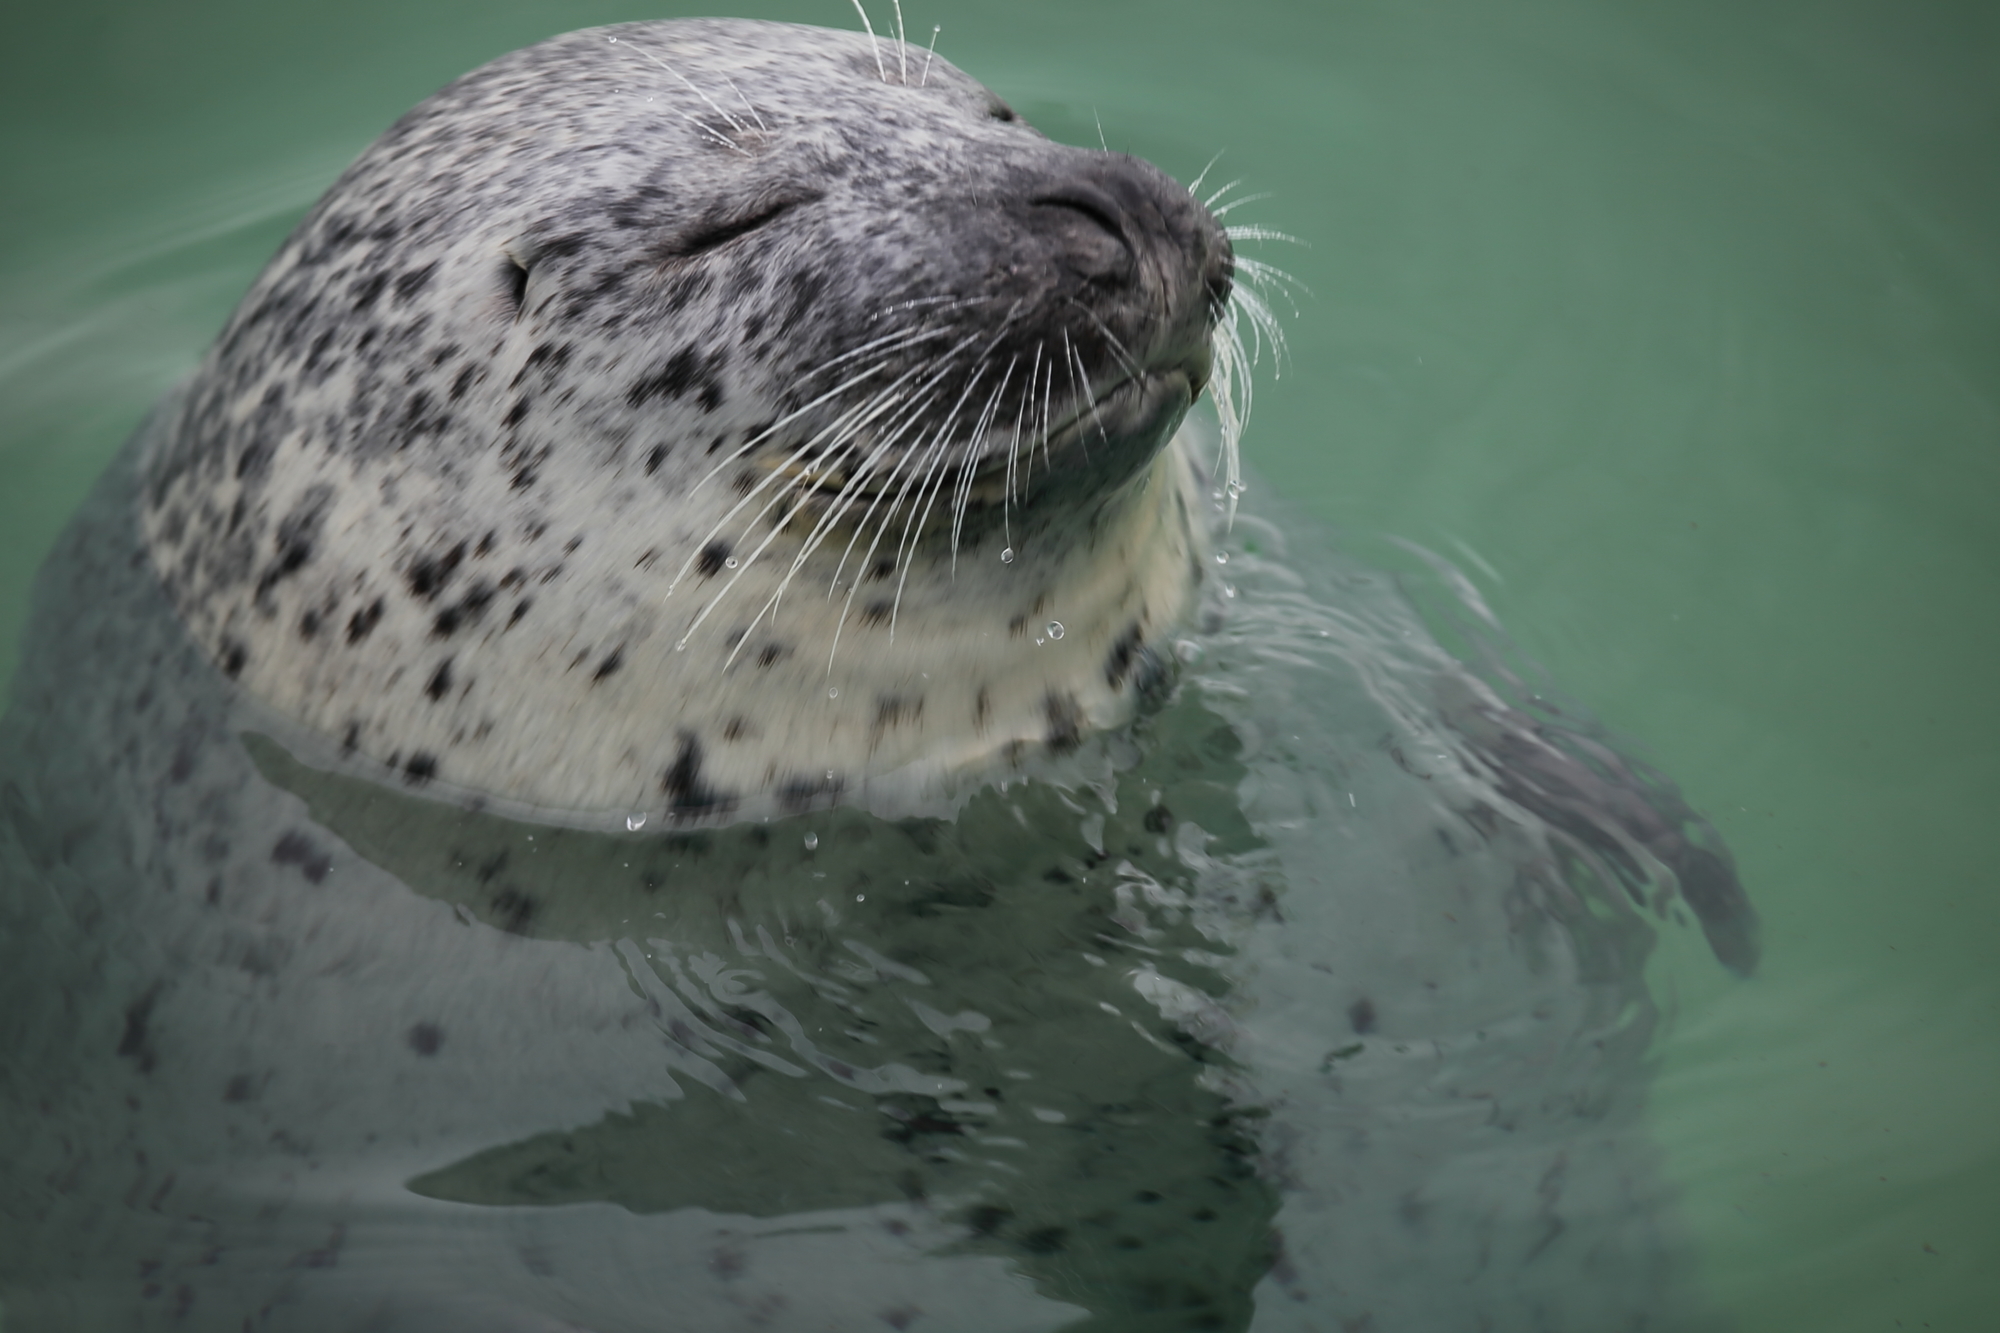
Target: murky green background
(1677,323)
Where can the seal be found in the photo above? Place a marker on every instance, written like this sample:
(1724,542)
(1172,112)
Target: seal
(704,418)
(1325,1006)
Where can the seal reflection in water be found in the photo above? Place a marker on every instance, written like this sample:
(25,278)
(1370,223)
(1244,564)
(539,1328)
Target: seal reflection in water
(646,745)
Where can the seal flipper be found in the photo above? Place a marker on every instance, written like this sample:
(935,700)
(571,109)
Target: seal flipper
(1609,806)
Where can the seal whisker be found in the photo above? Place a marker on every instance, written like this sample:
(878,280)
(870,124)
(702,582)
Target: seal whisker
(1013,460)
(748,105)
(853,417)
(1111,339)
(869,28)
(962,497)
(708,101)
(1209,203)
(930,55)
(789,417)
(757,439)
(850,428)
(844,500)
(902,44)
(1238,202)
(1194,186)
(915,523)
(1080,377)
(852,490)
(942,370)
(771,603)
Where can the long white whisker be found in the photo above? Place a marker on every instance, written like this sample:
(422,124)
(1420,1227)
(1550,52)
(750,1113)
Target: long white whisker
(1194,186)
(881,72)
(962,498)
(733,122)
(1222,210)
(902,45)
(930,55)
(909,340)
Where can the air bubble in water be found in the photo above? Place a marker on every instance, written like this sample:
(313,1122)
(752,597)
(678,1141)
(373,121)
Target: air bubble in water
(812,842)
(729,563)
(833,691)
(1055,629)
(635,822)
(1222,557)
(1007,556)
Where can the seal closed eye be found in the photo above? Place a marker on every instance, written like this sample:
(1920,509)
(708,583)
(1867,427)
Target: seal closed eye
(740,379)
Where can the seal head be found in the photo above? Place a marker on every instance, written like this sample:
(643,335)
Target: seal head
(703,417)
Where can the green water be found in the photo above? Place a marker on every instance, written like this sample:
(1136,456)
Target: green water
(1677,324)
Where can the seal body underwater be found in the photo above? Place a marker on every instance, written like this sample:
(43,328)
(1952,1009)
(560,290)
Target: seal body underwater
(646,745)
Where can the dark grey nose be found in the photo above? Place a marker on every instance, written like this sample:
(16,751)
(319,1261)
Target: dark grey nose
(1153,263)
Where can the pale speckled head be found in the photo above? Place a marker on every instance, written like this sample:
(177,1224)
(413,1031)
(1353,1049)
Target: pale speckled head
(704,418)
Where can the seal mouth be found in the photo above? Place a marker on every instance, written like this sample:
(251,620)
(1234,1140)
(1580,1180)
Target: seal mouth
(1103,433)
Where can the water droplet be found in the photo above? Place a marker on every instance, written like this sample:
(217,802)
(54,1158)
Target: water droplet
(1222,557)
(1039,641)
(860,897)
(1007,556)
(833,691)
(1228,591)
(1055,629)
(812,842)
(635,822)
(829,775)
(729,563)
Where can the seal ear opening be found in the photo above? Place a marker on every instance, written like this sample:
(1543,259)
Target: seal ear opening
(514,285)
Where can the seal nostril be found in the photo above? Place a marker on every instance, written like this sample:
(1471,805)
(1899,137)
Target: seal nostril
(1088,203)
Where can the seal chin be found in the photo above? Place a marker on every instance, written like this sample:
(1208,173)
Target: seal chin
(1118,432)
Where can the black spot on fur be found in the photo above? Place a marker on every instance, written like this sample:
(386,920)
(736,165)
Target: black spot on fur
(234,658)
(439,684)
(297,533)
(428,576)
(296,849)
(514,909)
(414,281)
(654,458)
(468,609)
(685,372)
(309,625)
(1065,722)
(712,555)
(769,653)
(683,784)
(425,1038)
(877,612)
(135,1042)
(361,622)
(421,769)
(612,661)
(1118,661)
(520,609)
